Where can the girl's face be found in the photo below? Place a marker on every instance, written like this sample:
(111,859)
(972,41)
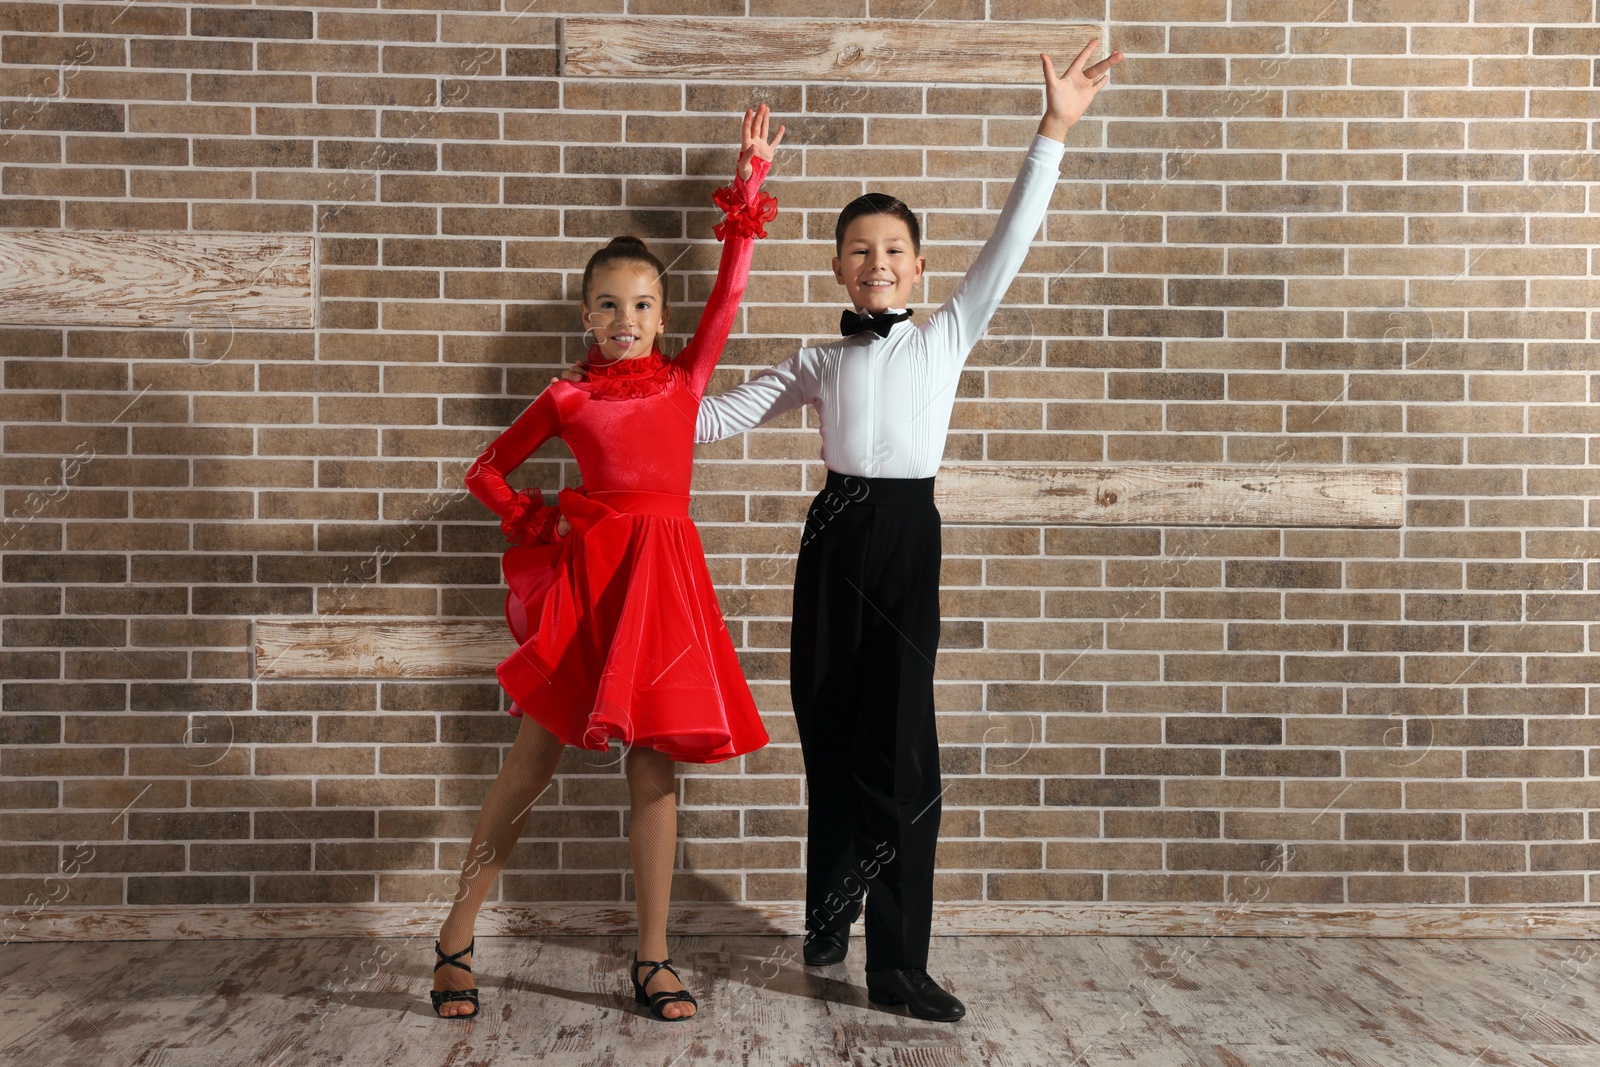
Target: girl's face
(625,309)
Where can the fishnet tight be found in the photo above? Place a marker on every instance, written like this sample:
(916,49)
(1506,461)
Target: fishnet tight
(652,840)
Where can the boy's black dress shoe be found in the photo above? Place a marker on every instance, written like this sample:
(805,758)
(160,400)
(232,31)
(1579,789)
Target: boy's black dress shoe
(913,987)
(824,950)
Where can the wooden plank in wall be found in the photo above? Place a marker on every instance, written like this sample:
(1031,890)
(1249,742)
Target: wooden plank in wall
(769,49)
(130,278)
(1170,495)
(380,648)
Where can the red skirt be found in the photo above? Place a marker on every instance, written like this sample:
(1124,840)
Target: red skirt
(626,638)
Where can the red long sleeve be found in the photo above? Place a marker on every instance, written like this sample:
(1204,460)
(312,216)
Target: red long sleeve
(699,357)
(523,514)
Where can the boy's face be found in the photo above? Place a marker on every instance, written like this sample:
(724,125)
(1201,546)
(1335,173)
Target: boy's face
(877,263)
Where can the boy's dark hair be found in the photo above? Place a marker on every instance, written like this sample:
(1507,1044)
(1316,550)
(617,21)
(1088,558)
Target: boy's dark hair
(625,249)
(877,204)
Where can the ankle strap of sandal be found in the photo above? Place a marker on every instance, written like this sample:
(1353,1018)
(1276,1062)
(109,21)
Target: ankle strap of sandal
(454,958)
(654,965)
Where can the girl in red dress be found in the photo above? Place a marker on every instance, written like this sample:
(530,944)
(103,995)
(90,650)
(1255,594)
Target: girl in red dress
(619,628)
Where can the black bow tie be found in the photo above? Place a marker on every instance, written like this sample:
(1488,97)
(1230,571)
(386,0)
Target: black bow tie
(850,323)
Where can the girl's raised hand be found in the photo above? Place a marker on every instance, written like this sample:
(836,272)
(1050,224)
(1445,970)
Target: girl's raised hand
(1067,97)
(753,140)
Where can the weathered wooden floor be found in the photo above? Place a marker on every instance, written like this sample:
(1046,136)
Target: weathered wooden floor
(1090,1001)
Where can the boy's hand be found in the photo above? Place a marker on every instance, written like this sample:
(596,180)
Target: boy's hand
(571,374)
(562,527)
(1066,98)
(753,139)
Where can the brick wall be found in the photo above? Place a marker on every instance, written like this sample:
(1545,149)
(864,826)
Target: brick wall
(1294,231)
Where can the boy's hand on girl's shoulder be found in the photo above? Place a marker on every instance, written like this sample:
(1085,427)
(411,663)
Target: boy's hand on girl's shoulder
(1068,96)
(571,374)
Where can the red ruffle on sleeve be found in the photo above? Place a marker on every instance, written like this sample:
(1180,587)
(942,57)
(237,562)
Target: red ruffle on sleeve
(747,209)
(530,520)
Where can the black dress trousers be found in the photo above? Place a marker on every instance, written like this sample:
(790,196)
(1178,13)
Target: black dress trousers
(866,632)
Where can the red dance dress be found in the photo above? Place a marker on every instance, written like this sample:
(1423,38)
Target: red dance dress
(619,627)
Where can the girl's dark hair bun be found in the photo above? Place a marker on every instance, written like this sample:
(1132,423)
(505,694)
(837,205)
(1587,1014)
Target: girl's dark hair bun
(625,249)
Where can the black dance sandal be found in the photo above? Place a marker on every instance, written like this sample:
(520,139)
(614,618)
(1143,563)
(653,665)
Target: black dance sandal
(665,996)
(445,996)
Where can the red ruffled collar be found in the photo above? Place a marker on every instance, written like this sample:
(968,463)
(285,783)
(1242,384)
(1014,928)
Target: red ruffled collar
(624,379)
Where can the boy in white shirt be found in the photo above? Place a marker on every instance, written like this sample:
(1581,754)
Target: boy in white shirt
(866,590)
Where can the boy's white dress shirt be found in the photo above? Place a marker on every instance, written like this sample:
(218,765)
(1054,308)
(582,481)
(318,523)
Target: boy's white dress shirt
(884,403)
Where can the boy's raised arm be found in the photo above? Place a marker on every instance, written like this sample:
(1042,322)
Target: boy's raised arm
(965,316)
